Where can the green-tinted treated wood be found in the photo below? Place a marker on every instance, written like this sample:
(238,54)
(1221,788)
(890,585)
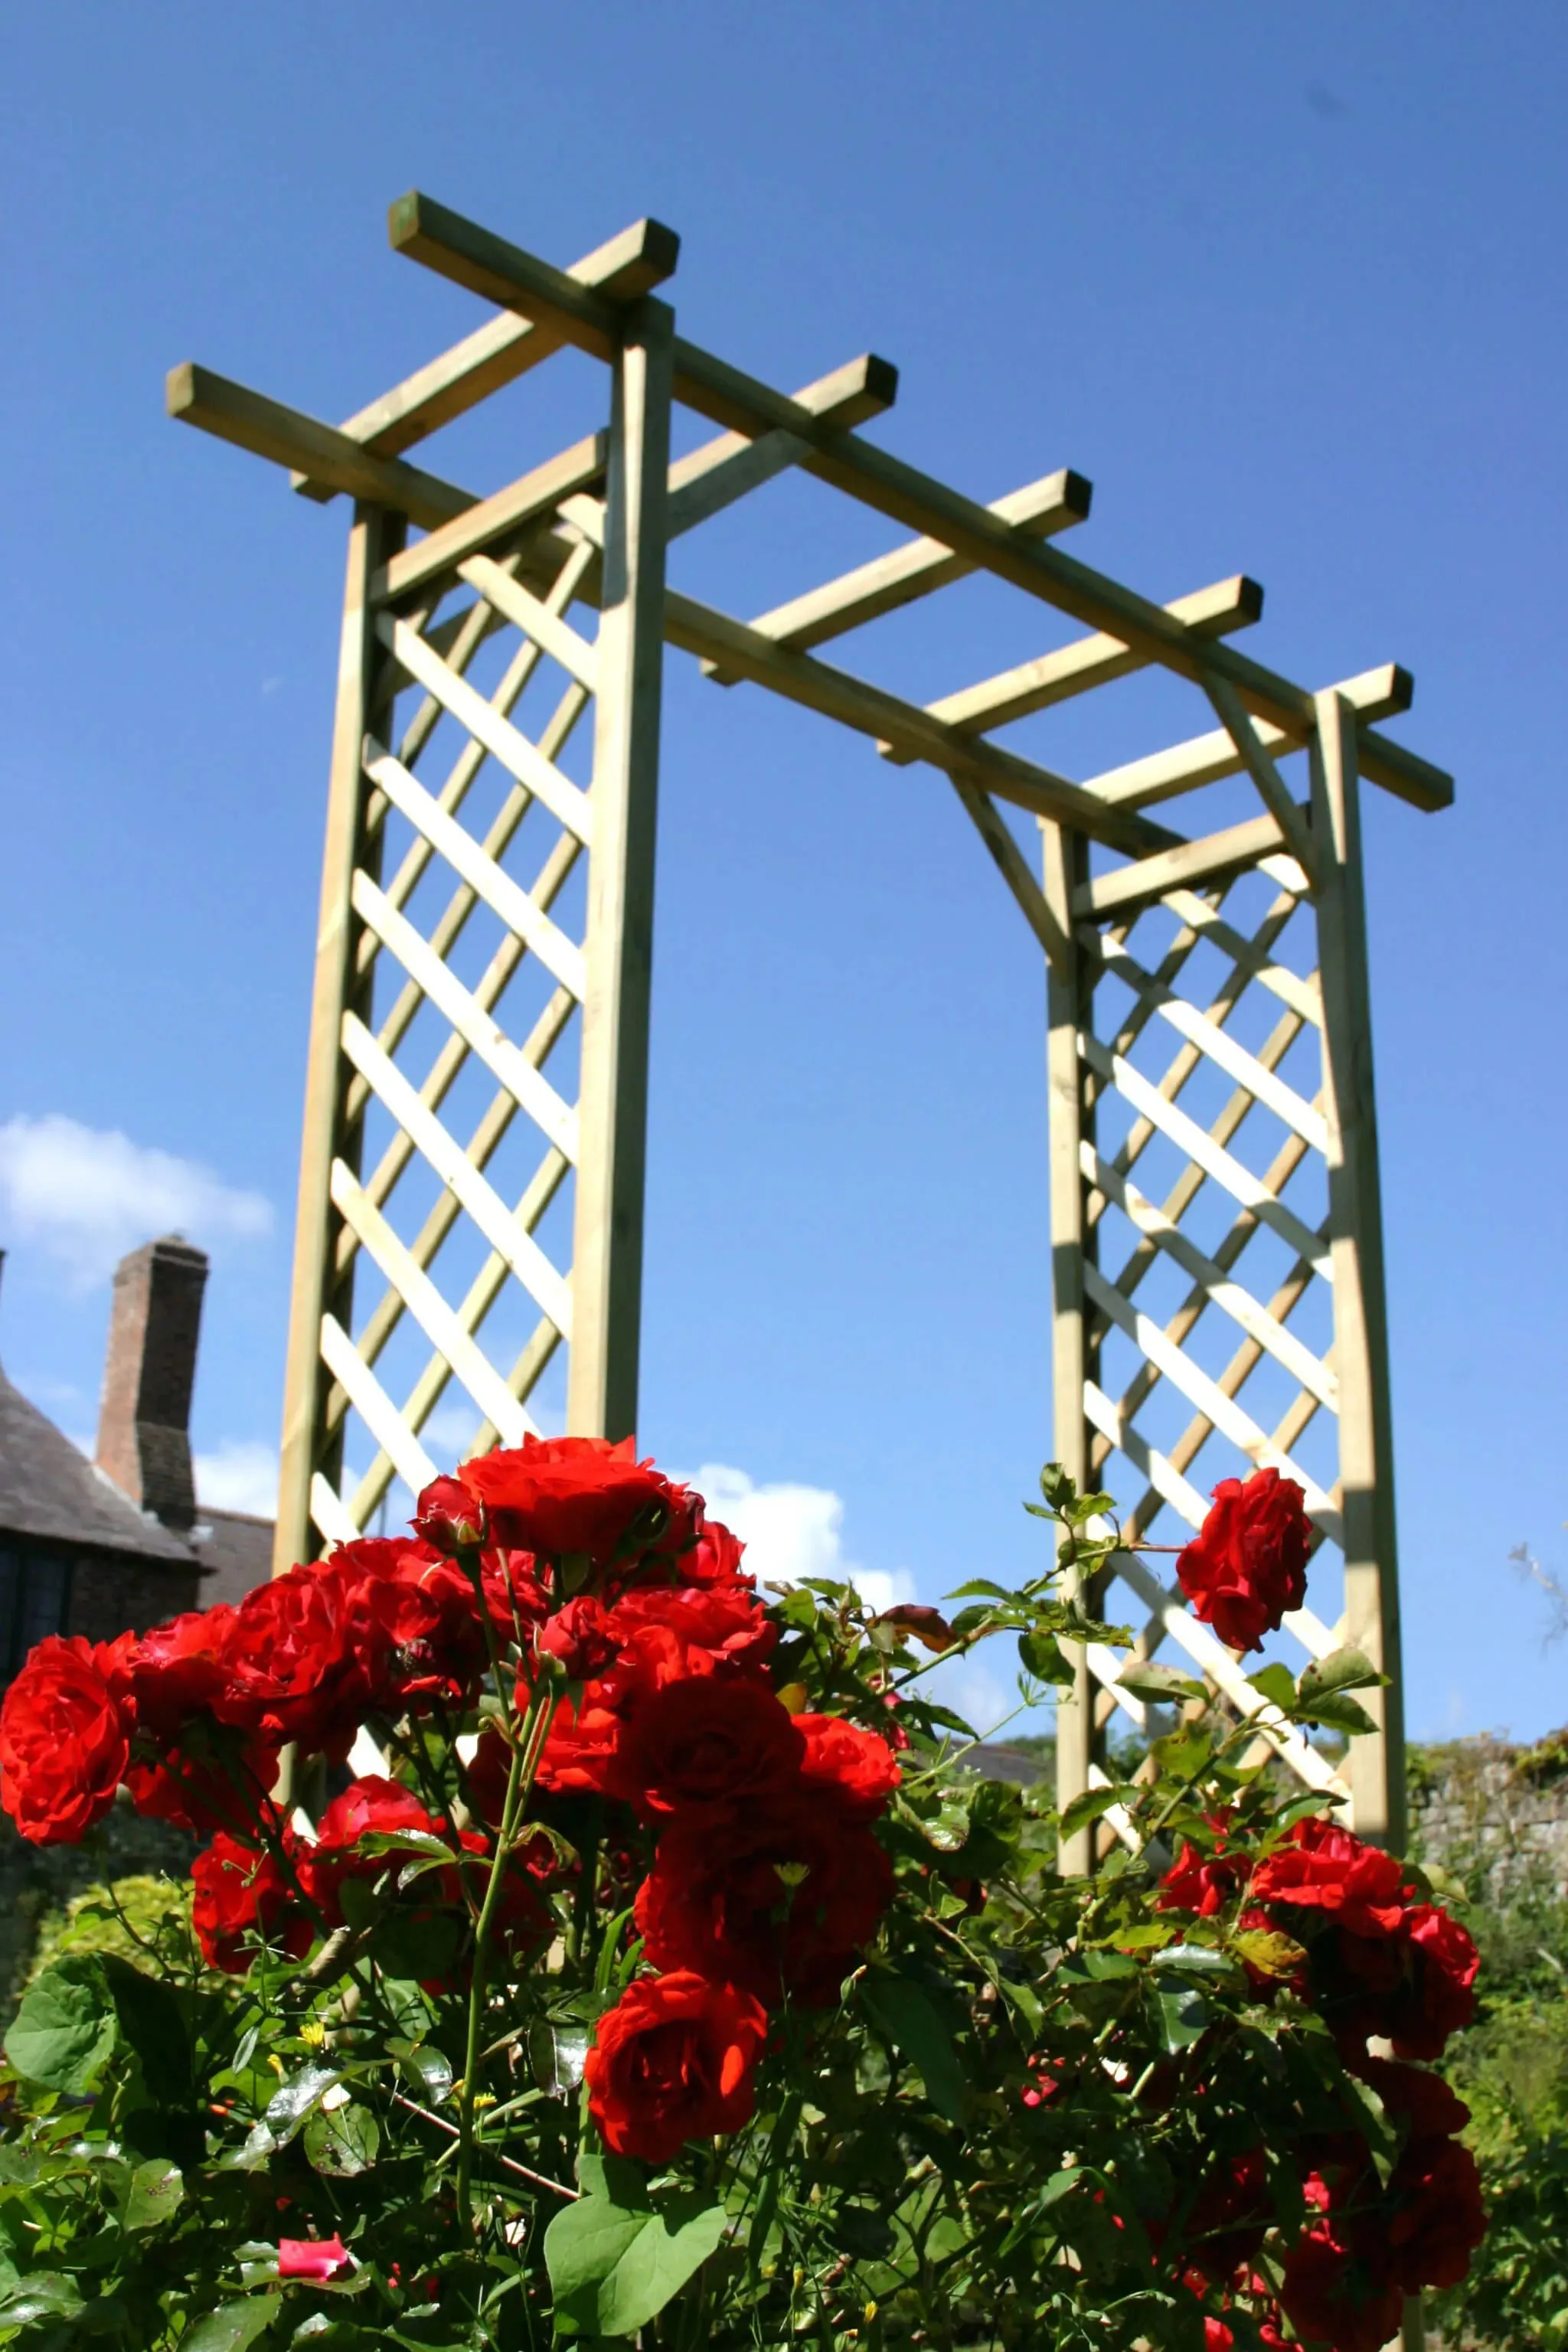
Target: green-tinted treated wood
(232,412)
(607,1259)
(1376,1766)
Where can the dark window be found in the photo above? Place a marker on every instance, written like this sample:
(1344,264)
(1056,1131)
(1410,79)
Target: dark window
(35,1599)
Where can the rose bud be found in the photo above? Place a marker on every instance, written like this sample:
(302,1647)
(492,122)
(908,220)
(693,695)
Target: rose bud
(450,1518)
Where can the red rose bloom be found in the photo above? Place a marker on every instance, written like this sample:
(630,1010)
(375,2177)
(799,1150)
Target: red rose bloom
(715,1557)
(853,1768)
(778,1900)
(1437,2220)
(365,1807)
(580,1637)
(1437,1997)
(673,2062)
(410,1622)
(1203,1880)
(1231,2214)
(173,1673)
(1248,1564)
(1421,2101)
(561,1496)
(1327,1869)
(693,1630)
(63,1744)
(711,1742)
(1331,2298)
(291,1670)
(241,1895)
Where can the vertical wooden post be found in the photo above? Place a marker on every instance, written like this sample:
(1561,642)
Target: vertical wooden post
(372,538)
(1377,1764)
(1065,862)
(606,1271)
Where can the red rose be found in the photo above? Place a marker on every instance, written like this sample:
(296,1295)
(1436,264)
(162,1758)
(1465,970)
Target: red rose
(1437,1997)
(1437,2220)
(854,1768)
(563,1495)
(242,1896)
(673,2062)
(448,1516)
(175,1671)
(1247,1563)
(367,1806)
(711,1742)
(411,1623)
(693,1628)
(63,1744)
(1420,2100)
(291,1669)
(779,1899)
(715,1557)
(1332,2299)
(1230,2216)
(1325,1868)
(1203,1880)
(580,1637)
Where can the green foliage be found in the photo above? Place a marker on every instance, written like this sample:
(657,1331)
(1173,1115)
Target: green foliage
(124,1918)
(1511,2068)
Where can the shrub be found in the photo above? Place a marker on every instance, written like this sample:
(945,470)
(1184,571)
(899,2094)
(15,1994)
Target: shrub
(672,1979)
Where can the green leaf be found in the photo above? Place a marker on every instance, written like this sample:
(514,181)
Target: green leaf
(405,1841)
(1278,1685)
(613,2267)
(234,2326)
(427,2069)
(1337,1711)
(979,1589)
(294,2100)
(908,2017)
(1093,1803)
(44,2295)
(1342,1670)
(1040,1653)
(156,2188)
(66,2028)
(1185,2017)
(342,2143)
(1147,1678)
(1090,1506)
(1057,1486)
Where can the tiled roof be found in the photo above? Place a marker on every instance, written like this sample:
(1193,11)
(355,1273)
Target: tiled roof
(49,1490)
(236,1554)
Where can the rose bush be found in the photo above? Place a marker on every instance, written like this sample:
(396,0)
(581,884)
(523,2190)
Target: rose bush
(665,1972)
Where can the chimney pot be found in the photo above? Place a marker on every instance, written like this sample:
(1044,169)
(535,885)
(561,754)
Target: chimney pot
(144,1421)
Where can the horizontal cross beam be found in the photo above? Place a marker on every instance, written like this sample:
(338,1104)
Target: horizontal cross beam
(497,354)
(489,265)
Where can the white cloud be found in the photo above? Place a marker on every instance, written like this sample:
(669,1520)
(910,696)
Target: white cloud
(240,1474)
(792,1532)
(86,1196)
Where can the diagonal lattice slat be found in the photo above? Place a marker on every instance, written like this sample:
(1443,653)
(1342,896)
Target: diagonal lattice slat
(1213,1171)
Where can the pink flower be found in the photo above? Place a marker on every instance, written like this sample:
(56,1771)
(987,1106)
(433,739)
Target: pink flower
(311,2258)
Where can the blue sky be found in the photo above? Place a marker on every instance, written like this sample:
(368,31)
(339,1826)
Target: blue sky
(1286,284)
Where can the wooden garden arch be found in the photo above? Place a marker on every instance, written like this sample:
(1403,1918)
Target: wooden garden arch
(1259,1245)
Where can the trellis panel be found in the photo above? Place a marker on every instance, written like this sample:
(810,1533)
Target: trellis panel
(1245,1267)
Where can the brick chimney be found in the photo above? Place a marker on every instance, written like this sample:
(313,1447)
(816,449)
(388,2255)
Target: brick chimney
(145,1420)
